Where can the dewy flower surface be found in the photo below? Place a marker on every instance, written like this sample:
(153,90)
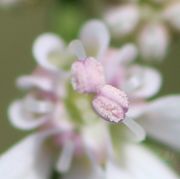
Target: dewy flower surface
(68,98)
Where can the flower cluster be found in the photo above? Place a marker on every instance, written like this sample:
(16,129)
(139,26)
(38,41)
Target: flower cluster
(151,22)
(78,98)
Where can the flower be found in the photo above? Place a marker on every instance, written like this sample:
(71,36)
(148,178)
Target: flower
(153,41)
(145,24)
(122,20)
(70,137)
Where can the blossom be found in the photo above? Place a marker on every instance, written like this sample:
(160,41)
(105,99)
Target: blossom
(153,41)
(122,20)
(172,13)
(71,136)
(143,23)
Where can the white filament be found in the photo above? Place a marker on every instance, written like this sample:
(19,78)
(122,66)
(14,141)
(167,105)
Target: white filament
(135,128)
(76,48)
(65,160)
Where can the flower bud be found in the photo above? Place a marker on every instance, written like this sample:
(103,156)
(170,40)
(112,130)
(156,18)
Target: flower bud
(87,75)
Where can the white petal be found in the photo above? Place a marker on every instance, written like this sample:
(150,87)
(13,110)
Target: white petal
(28,82)
(161,120)
(20,118)
(44,46)
(83,170)
(64,162)
(76,48)
(142,164)
(95,38)
(122,20)
(114,171)
(97,149)
(27,160)
(142,82)
(172,14)
(153,41)
(128,53)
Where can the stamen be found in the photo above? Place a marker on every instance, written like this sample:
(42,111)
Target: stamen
(76,47)
(135,128)
(64,163)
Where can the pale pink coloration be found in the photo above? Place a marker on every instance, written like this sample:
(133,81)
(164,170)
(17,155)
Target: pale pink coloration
(87,75)
(70,135)
(111,104)
(41,79)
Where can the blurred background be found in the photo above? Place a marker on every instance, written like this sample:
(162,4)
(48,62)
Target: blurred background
(21,23)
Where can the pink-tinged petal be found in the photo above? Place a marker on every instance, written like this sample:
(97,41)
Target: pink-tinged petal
(29,159)
(111,104)
(23,118)
(87,75)
(28,82)
(46,45)
(115,59)
(161,120)
(41,78)
(141,163)
(153,41)
(122,20)
(142,82)
(95,38)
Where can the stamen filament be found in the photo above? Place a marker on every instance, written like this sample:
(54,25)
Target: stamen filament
(135,128)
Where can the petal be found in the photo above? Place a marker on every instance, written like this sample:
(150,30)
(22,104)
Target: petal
(95,38)
(153,41)
(23,119)
(114,59)
(113,171)
(96,141)
(141,164)
(26,160)
(81,169)
(161,120)
(142,82)
(28,82)
(172,14)
(45,45)
(122,20)
(76,48)
(65,159)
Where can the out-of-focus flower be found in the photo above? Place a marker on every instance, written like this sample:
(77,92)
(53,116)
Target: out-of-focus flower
(122,20)
(172,14)
(71,138)
(146,24)
(153,41)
